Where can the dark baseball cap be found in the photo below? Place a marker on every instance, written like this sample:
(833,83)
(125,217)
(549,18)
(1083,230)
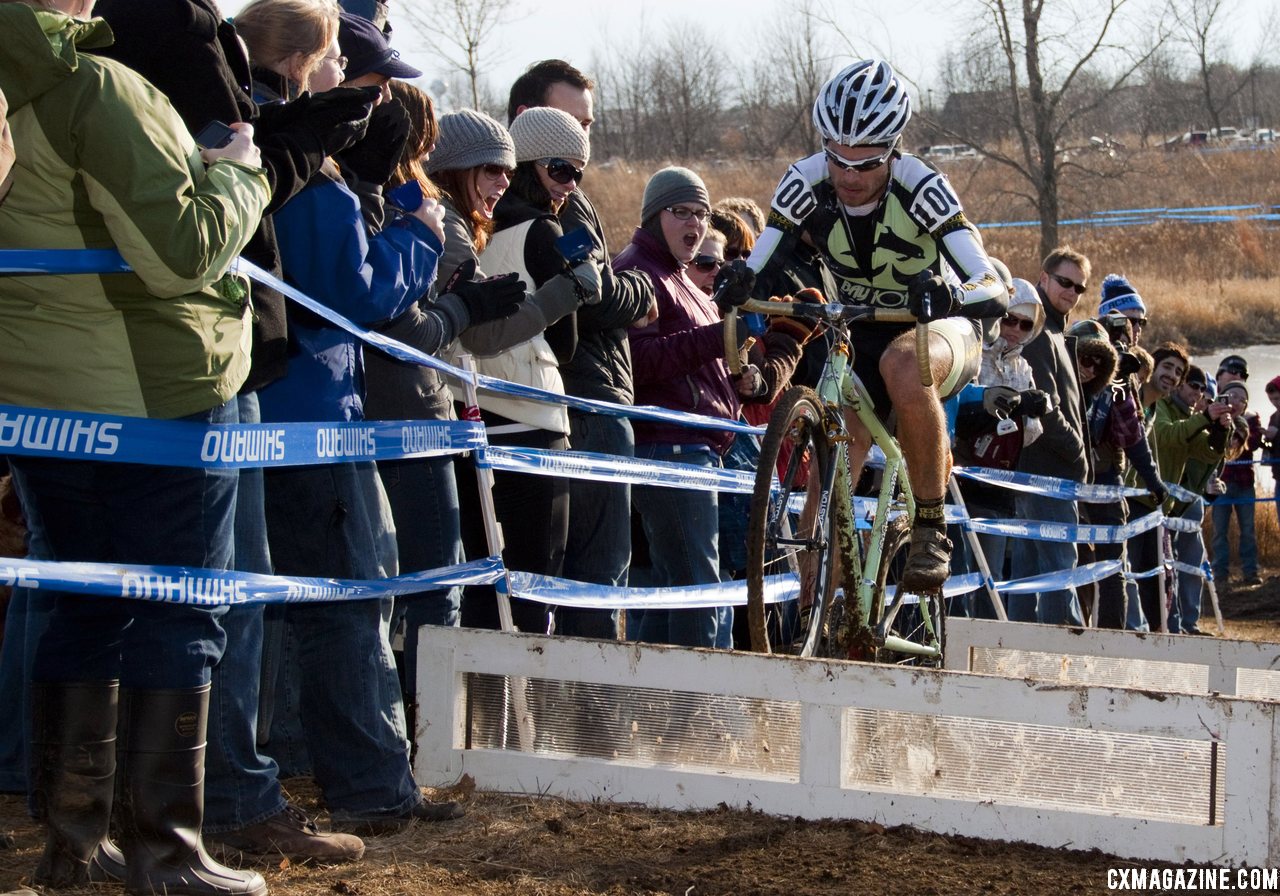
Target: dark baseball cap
(367,50)
(1235,364)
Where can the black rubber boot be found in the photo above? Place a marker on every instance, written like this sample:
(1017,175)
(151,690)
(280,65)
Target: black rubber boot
(162,798)
(73,764)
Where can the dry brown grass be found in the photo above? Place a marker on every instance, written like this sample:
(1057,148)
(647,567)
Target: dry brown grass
(1209,285)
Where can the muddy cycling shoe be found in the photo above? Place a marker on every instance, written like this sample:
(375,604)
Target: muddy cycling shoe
(928,560)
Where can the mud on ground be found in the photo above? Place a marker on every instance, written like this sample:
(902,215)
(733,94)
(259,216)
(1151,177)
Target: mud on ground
(542,846)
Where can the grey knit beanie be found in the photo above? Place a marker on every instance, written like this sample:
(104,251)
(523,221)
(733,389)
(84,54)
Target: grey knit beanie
(545,133)
(669,187)
(469,138)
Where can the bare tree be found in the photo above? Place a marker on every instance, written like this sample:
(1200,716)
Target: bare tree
(1046,73)
(1204,28)
(459,32)
(776,88)
(689,91)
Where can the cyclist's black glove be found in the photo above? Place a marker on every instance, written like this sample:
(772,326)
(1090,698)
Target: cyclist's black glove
(491,299)
(1159,494)
(733,285)
(931,298)
(1035,403)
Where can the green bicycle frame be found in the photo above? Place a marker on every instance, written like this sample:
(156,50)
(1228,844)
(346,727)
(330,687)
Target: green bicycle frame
(840,388)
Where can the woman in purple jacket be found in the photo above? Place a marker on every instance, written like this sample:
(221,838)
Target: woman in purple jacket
(679,364)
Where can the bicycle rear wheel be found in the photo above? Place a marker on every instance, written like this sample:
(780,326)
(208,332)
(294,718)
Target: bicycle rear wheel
(910,626)
(790,529)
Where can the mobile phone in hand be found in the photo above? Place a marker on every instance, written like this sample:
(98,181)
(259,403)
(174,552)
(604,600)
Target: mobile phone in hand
(575,246)
(214,135)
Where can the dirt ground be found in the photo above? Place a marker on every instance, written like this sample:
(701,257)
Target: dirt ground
(540,846)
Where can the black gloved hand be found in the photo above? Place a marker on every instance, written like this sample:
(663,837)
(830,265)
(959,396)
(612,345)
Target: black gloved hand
(931,298)
(1000,401)
(375,156)
(1160,494)
(491,299)
(733,285)
(334,119)
(1034,403)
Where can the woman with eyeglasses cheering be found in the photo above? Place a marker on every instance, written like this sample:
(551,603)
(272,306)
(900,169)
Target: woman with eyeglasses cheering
(548,150)
(679,364)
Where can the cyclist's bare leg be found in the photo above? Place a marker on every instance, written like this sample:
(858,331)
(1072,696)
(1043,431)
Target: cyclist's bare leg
(859,445)
(922,435)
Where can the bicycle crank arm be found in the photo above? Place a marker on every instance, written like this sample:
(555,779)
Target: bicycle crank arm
(901,645)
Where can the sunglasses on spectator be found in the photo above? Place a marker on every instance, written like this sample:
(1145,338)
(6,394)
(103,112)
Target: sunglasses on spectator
(684,213)
(862,166)
(1138,321)
(1012,320)
(735,254)
(495,171)
(1199,387)
(1068,283)
(707,263)
(561,172)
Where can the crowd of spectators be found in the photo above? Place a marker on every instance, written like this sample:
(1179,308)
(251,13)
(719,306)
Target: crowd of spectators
(445,235)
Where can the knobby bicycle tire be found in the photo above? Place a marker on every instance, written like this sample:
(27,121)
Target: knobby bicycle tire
(907,621)
(793,627)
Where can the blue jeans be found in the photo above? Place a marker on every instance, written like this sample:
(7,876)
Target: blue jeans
(1188,548)
(1244,513)
(1032,558)
(339,674)
(241,785)
(130,513)
(683,528)
(598,549)
(424,503)
(25,621)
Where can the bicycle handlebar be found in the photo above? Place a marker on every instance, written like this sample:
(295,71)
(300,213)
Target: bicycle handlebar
(836,312)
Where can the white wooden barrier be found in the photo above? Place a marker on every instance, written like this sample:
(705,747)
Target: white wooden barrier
(1184,663)
(1143,774)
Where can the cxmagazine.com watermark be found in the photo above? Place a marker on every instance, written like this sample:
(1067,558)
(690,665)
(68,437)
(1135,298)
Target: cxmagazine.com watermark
(1173,880)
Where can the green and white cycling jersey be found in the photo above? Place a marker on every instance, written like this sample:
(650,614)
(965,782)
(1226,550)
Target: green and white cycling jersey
(919,224)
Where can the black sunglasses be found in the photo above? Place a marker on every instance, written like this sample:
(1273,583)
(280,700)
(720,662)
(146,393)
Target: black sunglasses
(707,263)
(1020,322)
(561,172)
(1068,283)
(731,254)
(495,171)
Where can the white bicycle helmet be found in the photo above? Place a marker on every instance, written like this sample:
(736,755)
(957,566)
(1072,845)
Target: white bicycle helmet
(864,104)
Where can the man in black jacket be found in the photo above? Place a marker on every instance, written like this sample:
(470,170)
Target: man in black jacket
(599,545)
(1062,450)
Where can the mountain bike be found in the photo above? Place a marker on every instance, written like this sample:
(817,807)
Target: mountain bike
(807,524)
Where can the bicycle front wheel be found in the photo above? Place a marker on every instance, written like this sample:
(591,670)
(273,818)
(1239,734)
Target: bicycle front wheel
(908,626)
(791,531)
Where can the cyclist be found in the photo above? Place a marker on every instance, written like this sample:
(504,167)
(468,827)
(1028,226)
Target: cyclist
(893,235)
